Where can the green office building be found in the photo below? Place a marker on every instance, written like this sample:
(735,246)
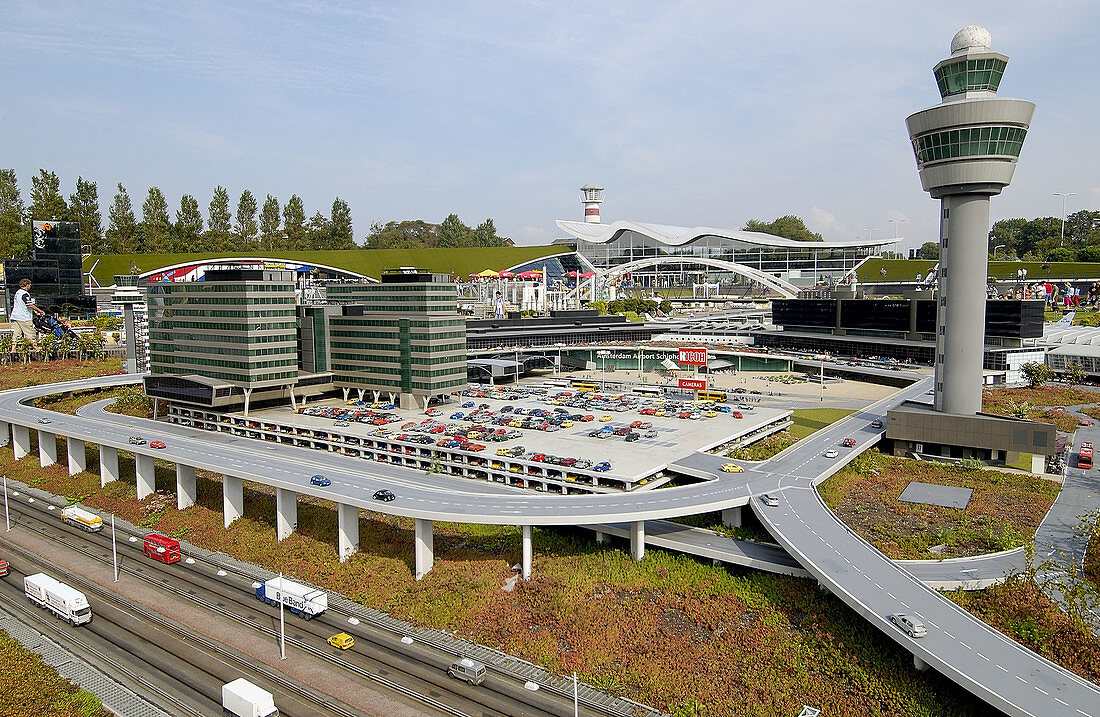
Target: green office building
(402,338)
(237,328)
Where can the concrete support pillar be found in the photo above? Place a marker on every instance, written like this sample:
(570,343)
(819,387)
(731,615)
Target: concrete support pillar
(47,448)
(286,512)
(601,537)
(425,548)
(186,491)
(5,433)
(293,404)
(232,499)
(146,476)
(731,517)
(247,398)
(78,459)
(346,391)
(637,539)
(108,465)
(21,438)
(920,664)
(361,393)
(348,528)
(526,572)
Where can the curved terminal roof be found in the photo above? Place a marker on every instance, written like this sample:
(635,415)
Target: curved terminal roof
(678,236)
(356,262)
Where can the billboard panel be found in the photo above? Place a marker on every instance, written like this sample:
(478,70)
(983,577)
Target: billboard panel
(693,356)
(692,384)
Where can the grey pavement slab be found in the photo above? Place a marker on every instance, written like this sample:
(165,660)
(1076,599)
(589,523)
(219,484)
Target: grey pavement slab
(932,494)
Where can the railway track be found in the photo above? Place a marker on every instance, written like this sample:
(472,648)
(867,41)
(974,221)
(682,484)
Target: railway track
(415,671)
(184,671)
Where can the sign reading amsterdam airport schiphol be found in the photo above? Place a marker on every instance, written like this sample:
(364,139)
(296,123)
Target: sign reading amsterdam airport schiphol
(693,356)
(692,384)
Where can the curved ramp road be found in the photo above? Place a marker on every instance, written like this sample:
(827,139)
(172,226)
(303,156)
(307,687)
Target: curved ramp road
(998,670)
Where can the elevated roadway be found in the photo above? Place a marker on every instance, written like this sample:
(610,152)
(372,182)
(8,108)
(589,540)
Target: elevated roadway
(993,667)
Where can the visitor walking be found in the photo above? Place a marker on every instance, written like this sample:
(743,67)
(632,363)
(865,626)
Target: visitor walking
(22,316)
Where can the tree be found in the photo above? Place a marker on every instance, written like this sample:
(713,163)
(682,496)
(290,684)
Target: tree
(452,232)
(1089,253)
(188,225)
(246,220)
(46,200)
(1075,374)
(294,223)
(84,209)
(789,227)
(408,234)
(929,250)
(122,228)
(156,225)
(270,237)
(486,234)
(1059,253)
(220,222)
(14,237)
(1036,373)
(318,233)
(342,234)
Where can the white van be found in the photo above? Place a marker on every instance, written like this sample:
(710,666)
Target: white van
(467,670)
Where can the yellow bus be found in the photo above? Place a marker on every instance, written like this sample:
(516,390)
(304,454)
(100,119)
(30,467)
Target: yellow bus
(716,396)
(584,386)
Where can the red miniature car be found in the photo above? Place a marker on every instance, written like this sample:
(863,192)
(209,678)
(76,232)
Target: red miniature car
(156,444)
(848,442)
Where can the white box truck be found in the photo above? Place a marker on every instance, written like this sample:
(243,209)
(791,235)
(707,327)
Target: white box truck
(83,519)
(244,699)
(57,597)
(302,600)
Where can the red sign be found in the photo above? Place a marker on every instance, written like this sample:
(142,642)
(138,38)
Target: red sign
(591,211)
(693,357)
(693,384)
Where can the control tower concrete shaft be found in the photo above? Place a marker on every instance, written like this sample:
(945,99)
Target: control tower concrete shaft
(966,149)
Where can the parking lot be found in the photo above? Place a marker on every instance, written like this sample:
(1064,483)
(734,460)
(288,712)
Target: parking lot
(535,433)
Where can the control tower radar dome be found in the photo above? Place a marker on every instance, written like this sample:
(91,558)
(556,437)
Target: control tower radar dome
(971,37)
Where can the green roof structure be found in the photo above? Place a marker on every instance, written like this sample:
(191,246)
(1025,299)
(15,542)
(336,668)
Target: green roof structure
(368,262)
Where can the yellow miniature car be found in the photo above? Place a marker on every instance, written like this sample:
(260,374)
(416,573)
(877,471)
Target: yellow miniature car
(342,640)
(566,424)
(605,419)
(731,468)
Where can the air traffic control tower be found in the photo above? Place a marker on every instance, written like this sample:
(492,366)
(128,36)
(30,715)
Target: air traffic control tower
(966,149)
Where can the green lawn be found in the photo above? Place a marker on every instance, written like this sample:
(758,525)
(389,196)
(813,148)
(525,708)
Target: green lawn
(369,262)
(812,420)
(907,270)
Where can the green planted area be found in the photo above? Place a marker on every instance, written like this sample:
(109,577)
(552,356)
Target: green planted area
(369,262)
(1004,512)
(31,688)
(907,270)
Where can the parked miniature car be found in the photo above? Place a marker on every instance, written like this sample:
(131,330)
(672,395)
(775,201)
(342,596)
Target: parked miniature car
(910,624)
(732,468)
(651,433)
(157,444)
(632,436)
(602,467)
(769,500)
(342,640)
(320,480)
(384,495)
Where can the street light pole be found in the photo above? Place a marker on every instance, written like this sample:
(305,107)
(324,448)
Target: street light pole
(999,246)
(7,515)
(282,623)
(1064,196)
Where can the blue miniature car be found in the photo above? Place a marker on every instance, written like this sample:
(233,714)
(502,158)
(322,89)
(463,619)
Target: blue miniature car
(320,480)
(602,467)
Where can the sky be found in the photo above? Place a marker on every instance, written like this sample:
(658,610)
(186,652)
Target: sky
(688,113)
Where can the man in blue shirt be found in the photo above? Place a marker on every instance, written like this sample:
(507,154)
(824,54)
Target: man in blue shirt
(21,315)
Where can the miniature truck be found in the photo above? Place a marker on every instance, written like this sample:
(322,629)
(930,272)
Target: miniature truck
(302,600)
(83,519)
(244,699)
(57,597)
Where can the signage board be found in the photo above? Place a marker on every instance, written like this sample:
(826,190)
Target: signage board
(692,384)
(693,356)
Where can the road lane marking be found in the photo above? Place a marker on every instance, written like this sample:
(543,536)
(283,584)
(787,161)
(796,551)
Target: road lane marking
(1058,699)
(1041,690)
(1001,668)
(1021,679)
(964,644)
(945,632)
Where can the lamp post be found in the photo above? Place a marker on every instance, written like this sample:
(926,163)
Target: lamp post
(897,224)
(1064,196)
(999,246)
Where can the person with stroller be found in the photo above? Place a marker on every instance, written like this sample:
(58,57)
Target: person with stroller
(22,316)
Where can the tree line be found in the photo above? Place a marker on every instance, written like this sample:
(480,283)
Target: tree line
(417,233)
(266,227)
(1039,239)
